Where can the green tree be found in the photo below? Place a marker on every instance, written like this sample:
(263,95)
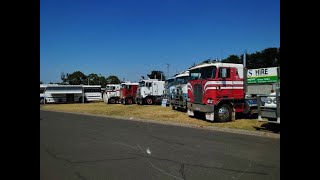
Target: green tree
(103,81)
(112,80)
(76,78)
(157,75)
(269,57)
(93,79)
(233,59)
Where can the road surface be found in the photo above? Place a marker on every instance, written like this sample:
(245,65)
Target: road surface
(86,147)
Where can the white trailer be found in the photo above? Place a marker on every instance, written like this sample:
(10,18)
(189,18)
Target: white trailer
(55,93)
(92,92)
(42,90)
(63,93)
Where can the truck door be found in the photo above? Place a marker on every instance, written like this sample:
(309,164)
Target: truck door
(150,88)
(225,88)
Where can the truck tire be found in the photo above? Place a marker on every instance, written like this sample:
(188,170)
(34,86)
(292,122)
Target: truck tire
(223,113)
(112,101)
(149,101)
(128,101)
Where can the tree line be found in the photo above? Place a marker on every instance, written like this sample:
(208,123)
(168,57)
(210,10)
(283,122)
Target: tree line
(269,57)
(79,77)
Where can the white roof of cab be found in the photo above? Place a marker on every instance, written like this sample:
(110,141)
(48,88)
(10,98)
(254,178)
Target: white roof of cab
(130,83)
(150,80)
(113,85)
(218,64)
(182,74)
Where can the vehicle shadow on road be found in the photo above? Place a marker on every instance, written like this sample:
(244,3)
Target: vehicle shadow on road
(273,127)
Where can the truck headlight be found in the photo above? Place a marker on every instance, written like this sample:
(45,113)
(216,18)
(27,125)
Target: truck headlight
(210,101)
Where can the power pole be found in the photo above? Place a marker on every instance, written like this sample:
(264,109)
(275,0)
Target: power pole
(245,72)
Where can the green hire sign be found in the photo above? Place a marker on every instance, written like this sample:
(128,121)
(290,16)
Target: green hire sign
(262,75)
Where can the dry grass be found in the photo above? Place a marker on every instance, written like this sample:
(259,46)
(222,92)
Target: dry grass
(154,112)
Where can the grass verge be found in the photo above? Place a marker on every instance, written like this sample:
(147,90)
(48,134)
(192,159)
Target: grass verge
(154,112)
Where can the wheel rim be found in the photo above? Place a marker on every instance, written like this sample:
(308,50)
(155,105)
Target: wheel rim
(129,101)
(149,101)
(112,101)
(223,113)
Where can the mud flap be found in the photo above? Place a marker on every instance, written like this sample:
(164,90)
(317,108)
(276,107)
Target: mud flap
(210,116)
(233,114)
(190,112)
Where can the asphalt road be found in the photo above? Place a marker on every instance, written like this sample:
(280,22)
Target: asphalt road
(86,147)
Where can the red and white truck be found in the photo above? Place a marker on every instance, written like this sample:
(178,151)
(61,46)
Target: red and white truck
(216,90)
(128,92)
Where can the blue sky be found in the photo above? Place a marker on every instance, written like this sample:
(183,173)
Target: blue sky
(130,38)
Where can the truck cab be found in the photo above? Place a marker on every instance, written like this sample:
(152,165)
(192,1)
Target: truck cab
(150,91)
(128,92)
(180,93)
(112,94)
(216,90)
(169,88)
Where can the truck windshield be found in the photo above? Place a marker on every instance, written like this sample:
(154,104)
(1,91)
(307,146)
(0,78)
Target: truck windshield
(203,73)
(169,82)
(142,84)
(182,80)
(110,88)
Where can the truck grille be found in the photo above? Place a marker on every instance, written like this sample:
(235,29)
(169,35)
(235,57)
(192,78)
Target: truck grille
(139,93)
(197,93)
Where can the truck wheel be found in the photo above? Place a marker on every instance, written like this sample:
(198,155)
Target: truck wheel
(112,101)
(173,107)
(128,101)
(149,101)
(223,113)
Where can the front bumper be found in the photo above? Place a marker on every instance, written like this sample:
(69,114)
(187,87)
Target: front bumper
(200,107)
